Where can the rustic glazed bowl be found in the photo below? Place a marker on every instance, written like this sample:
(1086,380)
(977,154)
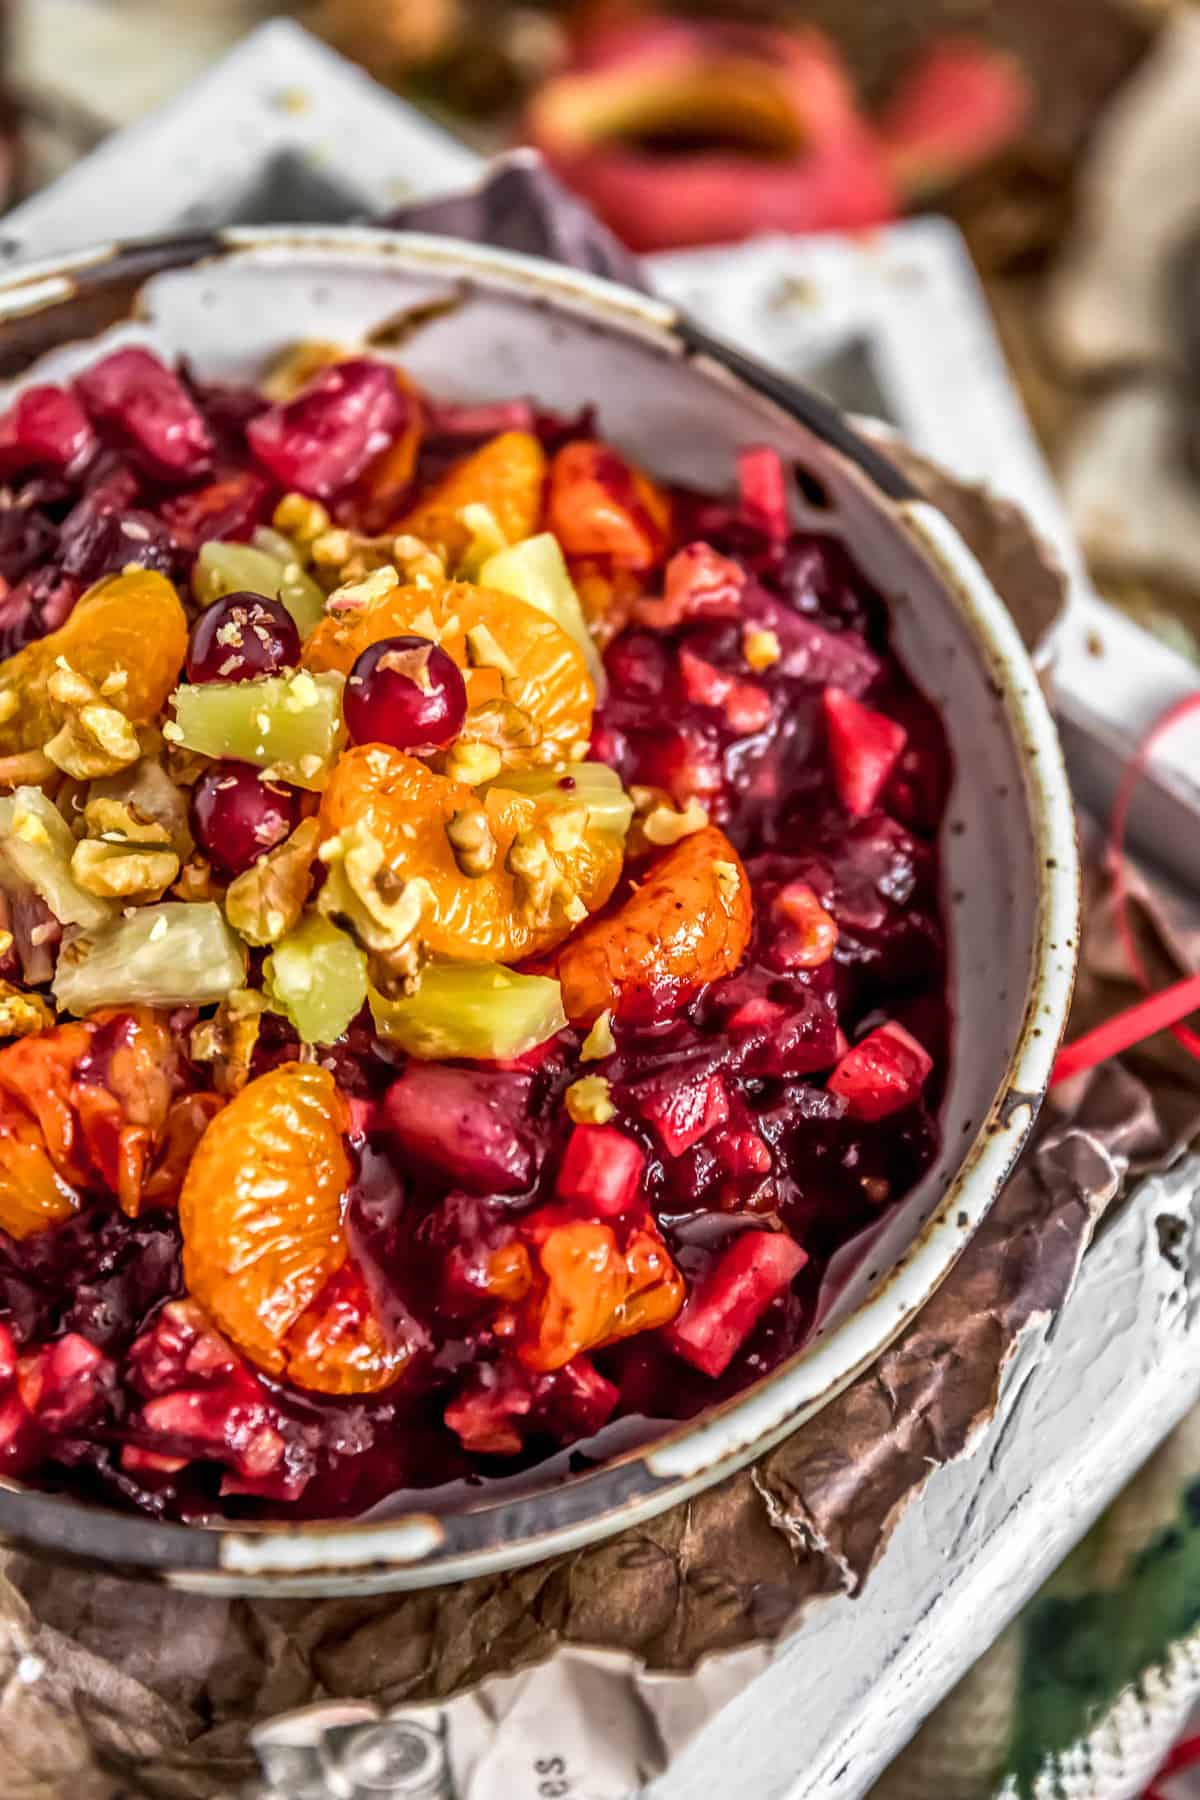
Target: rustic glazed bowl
(478,324)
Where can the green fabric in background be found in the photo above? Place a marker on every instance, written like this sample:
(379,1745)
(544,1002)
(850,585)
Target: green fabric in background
(1084,1693)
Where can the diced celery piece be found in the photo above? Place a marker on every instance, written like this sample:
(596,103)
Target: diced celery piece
(317,977)
(178,953)
(591,784)
(291,724)
(471,1009)
(36,844)
(534,571)
(268,566)
(233,568)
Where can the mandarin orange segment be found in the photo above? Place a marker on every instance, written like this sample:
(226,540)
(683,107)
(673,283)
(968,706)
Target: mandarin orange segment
(686,923)
(264,1238)
(536,666)
(395,802)
(607,596)
(131,625)
(33,1195)
(36,1074)
(598,505)
(506,475)
(82,1105)
(262,1207)
(338,1346)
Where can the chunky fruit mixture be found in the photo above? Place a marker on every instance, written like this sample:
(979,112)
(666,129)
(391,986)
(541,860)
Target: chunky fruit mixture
(469,930)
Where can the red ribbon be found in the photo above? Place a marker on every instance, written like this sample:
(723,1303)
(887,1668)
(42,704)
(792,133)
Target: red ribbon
(1162,1011)
(1185,1755)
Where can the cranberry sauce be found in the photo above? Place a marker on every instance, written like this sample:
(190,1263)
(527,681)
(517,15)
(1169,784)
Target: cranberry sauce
(800,1091)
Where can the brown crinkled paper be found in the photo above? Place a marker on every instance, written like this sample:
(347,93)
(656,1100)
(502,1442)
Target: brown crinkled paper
(113,1688)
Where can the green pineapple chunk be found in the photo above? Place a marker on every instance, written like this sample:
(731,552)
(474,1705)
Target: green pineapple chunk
(317,977)
(35,847)
(534,571)
(302,597)
(178,953)
(275,544)
(290,724)
(222,569)
(479,1010)
(590,784)
(259,568)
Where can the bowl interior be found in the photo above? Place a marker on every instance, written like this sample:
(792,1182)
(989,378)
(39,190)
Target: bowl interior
(480,332)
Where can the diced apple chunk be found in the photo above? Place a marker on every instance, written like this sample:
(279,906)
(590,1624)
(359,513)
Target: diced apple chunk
(719,1315)
(601,1170)
(881,1074)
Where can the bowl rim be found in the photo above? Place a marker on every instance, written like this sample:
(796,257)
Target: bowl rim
(420,1549)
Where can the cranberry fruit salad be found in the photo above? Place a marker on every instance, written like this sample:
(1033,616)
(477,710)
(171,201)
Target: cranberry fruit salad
(471,937)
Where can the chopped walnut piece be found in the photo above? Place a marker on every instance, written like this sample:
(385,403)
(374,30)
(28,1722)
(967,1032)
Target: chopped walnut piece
(195,879)
(266,901)
(665,824)
(94,738)
(599,1041)
(471,762)
(358,596)
(414,558)
(539,883)
(228,1039)
(23,1015)
(184,767)
(566,828)
(589,1101)
(123,871)
(137,815)
(106,817)
(381,911)
(471,839)
(332,549)
(761,648)
(300,518)
(503,725)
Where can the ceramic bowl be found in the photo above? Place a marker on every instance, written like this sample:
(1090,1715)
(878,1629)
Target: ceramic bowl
(477,324)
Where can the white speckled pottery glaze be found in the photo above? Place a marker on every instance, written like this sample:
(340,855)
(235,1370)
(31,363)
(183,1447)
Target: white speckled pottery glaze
(477,324)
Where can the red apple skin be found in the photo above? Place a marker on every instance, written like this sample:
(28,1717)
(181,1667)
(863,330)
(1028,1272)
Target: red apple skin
(838,178)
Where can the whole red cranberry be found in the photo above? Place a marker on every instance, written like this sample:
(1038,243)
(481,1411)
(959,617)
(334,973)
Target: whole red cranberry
(238,815)
(406,692)
(241,636)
